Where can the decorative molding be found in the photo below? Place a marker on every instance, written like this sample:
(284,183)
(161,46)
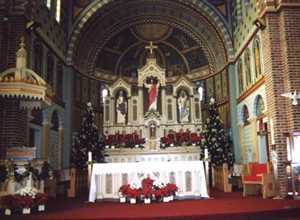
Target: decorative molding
(120,83)
(251,89)
(183,83)
(151,69)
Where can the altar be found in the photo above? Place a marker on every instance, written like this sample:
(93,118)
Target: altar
(151,127)
(107,178)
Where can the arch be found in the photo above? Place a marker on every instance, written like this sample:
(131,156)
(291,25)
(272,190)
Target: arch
(245,115)
(55,121)
(201,6)
(48,113)
(259,106)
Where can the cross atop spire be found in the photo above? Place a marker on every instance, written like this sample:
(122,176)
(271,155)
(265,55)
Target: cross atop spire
(151,47)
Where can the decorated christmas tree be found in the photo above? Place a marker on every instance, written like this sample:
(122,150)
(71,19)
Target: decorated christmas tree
(215,139)
(87,140)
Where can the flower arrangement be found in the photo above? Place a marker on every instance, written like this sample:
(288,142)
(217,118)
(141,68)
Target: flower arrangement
(179,138)
(148,189)
(18,202)
(124,140)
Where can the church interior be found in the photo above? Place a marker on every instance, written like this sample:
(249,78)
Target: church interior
(185,104)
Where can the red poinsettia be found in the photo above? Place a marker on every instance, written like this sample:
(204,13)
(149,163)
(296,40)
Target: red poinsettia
(19,202)
(40,199)
(171,188)
(124,189)
(147,182)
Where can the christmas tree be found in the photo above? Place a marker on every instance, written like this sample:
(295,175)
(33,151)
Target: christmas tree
(215,139)
(87,140)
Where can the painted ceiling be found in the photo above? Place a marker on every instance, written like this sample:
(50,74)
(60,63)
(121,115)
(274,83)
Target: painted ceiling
(125,53)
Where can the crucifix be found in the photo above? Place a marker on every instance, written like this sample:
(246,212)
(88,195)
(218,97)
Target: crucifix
(151,47)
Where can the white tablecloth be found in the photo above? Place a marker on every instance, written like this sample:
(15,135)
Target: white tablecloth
(195,168)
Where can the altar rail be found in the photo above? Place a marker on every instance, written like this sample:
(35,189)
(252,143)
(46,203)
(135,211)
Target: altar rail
(78,182)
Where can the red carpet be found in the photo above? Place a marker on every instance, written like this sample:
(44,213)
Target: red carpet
(222,206)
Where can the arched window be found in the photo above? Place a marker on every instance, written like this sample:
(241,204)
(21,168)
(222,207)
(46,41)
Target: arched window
(48,3)
(245,115)
(50,69)
(257,59)
(58,10)
(248,67)
(38,57)
(55,121)
(259,106)
(240,76)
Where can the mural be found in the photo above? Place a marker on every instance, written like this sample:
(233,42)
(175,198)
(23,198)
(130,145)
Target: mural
(125,52)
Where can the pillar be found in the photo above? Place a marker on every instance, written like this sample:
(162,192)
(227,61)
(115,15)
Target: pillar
(234,113)
(140,104)
(68,97)
(45,137)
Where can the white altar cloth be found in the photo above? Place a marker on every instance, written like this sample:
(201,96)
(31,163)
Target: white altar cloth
(189,177)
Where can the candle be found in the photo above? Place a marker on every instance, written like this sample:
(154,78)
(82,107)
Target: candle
(205,154)
(89,156)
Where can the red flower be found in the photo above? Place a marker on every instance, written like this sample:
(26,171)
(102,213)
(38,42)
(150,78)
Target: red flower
(18,201)
(147,182)
(40,199)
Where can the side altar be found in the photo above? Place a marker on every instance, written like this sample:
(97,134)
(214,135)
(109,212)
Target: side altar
(152,119)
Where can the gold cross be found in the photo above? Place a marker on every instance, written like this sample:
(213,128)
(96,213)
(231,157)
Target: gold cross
(151,47)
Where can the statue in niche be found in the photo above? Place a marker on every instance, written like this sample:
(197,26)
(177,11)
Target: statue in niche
(183,107)
(152,94)
(121,108)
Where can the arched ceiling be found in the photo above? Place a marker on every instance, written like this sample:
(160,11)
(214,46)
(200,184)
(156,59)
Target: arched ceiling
(111,40)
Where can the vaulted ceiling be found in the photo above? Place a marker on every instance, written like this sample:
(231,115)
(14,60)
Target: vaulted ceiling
(109,40)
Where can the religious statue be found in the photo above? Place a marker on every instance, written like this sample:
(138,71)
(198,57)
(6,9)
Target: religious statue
(121,108)
(183,107)
(152,94)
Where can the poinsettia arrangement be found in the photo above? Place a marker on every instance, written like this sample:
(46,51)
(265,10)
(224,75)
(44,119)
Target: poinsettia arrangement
(26,197)
(148,189)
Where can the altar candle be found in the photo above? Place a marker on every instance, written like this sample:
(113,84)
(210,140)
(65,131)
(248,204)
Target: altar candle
(89,156)
(205,153)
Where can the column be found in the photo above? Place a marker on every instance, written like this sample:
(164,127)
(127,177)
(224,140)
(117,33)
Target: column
(45,137)
(129,111)
(68,97)
(61,143)
(233,112)
(141,105)
(163,103)
(112,109)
